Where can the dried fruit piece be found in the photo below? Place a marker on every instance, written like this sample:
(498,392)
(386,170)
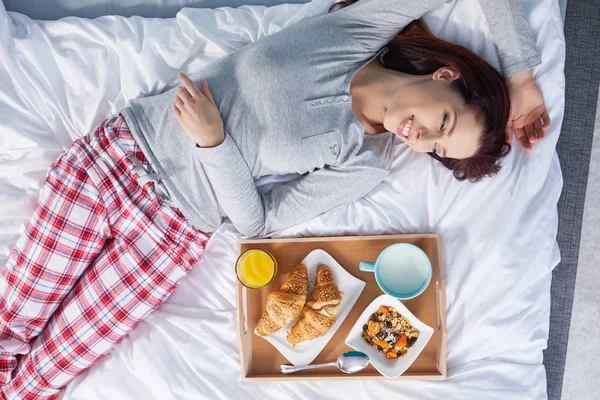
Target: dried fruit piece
(384,309)
(383,344)
(374,328)
(411,341)
(391,354)
(401,341)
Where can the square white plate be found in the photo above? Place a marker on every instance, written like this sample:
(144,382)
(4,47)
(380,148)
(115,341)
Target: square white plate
(392,368)
(305,352)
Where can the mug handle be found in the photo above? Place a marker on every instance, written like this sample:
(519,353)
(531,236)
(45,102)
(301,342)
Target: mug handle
(366,266)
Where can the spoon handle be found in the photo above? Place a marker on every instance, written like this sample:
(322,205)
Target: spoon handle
(288,369)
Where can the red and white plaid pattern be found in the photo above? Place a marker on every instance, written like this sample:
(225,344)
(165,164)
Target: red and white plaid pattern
(101,252)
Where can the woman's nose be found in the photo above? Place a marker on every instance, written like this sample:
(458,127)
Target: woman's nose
(424,134)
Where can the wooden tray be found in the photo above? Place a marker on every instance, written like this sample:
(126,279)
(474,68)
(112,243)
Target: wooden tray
(261,361)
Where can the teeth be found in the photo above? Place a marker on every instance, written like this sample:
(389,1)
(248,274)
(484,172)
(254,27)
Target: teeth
(407,126)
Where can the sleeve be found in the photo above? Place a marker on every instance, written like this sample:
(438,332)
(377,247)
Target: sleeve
(290,203)
(512,35)
(373,23)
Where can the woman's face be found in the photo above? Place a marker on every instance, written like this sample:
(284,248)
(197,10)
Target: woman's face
(431,116)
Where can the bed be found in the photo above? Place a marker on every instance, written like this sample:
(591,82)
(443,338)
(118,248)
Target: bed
(61,78)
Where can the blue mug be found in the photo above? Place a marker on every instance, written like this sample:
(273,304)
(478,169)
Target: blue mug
(402,270)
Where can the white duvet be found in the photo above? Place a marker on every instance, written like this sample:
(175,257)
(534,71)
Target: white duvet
(59,79)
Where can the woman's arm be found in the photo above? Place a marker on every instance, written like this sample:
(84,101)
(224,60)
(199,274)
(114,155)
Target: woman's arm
(516,49)
(320,191)
(373,23)
(512,35)
(290,203)
(234,187)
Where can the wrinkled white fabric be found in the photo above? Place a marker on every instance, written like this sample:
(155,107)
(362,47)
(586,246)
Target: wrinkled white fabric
(59,79)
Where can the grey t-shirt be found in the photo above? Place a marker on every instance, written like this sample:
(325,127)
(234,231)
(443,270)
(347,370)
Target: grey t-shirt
(286,107)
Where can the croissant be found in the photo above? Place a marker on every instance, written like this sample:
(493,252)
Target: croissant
(320,310)
(286,303)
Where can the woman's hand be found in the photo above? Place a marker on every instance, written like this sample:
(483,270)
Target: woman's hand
(528,115)
(198,114)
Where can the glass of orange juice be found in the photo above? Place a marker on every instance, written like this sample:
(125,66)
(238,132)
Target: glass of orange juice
(256,268)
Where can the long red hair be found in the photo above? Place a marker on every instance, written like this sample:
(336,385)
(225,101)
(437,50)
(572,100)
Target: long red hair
(416,51)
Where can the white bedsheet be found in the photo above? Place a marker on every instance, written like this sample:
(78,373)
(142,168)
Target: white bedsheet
(59,79)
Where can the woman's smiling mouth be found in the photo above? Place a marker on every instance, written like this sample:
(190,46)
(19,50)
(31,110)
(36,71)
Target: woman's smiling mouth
(404,129)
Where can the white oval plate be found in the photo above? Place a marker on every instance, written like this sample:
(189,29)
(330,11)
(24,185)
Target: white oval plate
(395,367)
(304,353)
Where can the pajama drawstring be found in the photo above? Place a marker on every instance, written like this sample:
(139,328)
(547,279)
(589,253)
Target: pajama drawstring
(145,177)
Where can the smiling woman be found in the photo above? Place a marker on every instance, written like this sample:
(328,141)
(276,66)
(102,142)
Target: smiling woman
(439,98)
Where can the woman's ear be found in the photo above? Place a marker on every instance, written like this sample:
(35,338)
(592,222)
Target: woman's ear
(446,74)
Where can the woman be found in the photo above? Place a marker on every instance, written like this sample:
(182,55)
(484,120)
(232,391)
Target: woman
(126,211)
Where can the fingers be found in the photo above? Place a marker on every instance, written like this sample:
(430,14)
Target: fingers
(530,132)
(545,119)
(179,102)
(206,92)
(522,138)
(539,129)
(178,108)
(183,94)
(193,90)
(189,85)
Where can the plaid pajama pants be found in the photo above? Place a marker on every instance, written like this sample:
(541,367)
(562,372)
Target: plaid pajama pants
(103,249)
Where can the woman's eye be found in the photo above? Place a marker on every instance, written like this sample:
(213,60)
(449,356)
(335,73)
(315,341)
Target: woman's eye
(444,121)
